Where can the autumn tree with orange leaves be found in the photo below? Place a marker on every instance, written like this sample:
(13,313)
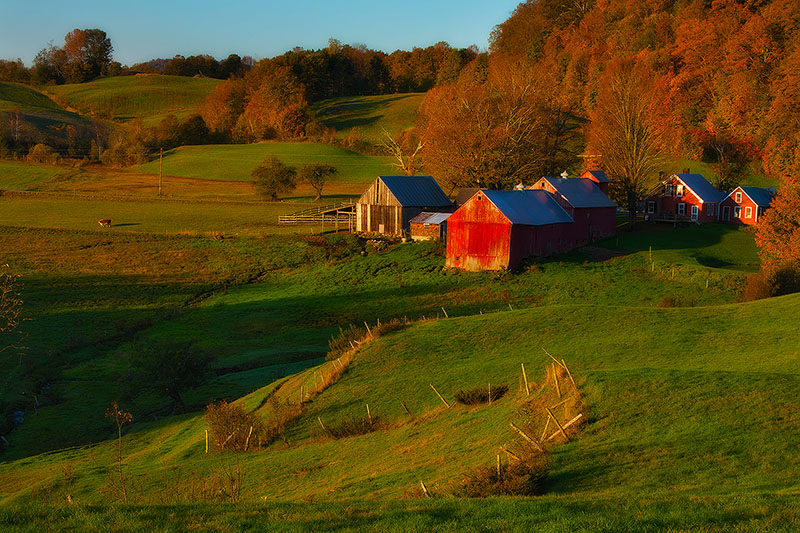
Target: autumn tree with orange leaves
(624,132)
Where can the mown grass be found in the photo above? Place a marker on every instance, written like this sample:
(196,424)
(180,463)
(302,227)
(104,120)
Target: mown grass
(151,216)
(236,162)
(37,110)
(146,97)
(368,116)
(17,176)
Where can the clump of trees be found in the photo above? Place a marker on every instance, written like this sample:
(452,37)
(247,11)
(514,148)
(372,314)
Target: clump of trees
(86,54)
(272,178)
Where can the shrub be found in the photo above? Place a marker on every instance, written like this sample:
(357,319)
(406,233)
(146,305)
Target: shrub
(480,395)
(353,336)
(230,426)
(783,280)
(355,426)
(521,478)
(41,153)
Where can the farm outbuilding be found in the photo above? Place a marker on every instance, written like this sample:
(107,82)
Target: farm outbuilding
(599,177)
(494,230)
(429,226)
(594,213)
(392,201)
(683,198)
(746,205)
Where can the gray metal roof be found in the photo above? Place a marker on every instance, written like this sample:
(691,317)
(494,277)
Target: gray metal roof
(529,207)
(761,197)
(701,187)
(416,191)
(580,192)
(427,217)
(601,176)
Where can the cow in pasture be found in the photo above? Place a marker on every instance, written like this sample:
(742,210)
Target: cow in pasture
(106,222)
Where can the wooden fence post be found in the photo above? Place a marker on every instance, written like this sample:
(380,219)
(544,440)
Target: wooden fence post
(557,423)
(206,442)
(406,408)
(526,437)
(525,377)
(439,395)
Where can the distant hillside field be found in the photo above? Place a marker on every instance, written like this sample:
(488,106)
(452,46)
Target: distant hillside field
(37,110)
(369,114)
(237,161)
(146,97)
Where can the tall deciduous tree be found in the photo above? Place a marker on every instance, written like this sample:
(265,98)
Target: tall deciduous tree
(778,234)
(170,368)
(11,335)
(623,131)
(316,175)
(273,177)
(485,132)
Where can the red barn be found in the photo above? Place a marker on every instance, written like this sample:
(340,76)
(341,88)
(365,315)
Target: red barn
(594,213)
(683,198)
(746,205)
(599,177)
(497,229)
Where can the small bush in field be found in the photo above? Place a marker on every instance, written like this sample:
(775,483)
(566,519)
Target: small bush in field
(757,287)
(230,426)
(783,280)
(480,395)
(520,478)
(355,426)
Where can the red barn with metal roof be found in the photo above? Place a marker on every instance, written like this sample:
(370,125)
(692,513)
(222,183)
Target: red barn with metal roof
(746,205)
(594,213)
(497,229)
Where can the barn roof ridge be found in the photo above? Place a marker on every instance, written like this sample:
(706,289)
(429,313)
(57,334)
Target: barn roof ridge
(528,207)
(580,192)
(422,191)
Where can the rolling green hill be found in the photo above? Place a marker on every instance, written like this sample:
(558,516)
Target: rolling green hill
(237,161)
(40,117)
(147,97)
(692,411)
(369,115)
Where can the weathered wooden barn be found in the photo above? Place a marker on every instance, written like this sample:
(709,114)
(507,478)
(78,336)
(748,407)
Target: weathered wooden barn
(599,177)
(594,213)
(746,205)
(683,198)
(494,230)
(429,226)
(392,201)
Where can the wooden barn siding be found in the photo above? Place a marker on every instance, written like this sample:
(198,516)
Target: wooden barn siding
(746,202)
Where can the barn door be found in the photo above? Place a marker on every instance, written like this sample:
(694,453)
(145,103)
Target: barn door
(726,213)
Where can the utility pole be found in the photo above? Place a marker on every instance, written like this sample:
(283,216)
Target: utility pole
(160,167)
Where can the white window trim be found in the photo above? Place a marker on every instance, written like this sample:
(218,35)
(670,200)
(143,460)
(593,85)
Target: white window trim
(737,197)
(681,209)
(748,212)
(737,211)
(651,207)
(680,190)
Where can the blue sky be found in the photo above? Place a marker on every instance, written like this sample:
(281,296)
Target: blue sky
(146,29)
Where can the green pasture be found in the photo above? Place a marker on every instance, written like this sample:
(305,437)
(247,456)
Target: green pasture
(368,116)
(18,176)
(152,216)
(683,432)
(146,97)
(37,110)
(95,292)
(237,161)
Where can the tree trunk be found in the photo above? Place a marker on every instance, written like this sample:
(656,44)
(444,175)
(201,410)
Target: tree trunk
(632,202)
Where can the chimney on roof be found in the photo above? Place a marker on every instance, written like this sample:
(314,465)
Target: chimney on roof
(686,171)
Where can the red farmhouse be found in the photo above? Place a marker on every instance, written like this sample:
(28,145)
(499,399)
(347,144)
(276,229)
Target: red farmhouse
(683,197)
(497,229)
(746,205)
(599,177)
(594,213)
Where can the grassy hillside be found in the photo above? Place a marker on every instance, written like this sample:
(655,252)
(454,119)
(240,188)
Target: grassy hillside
(18,176)
(146,97)
(368,116)
(684,431)
(236,162)
(36,111)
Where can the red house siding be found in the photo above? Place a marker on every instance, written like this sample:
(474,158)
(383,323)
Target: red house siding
(669,205)
(728,210)
(591,223)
